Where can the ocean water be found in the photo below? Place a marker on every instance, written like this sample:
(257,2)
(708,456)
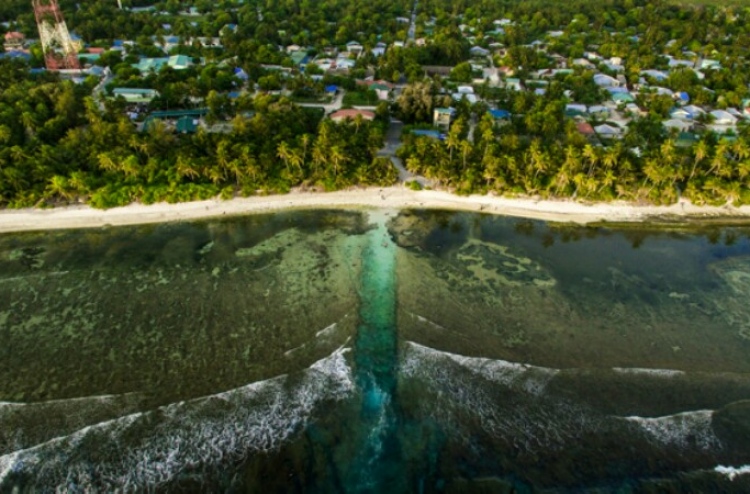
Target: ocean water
(376,352)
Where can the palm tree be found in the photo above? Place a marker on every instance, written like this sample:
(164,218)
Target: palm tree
(337,158)
(107,162)
(465,151)
(5,134)
(699,154)
(59,186)
(719,161)
(452,141)
(592,156)
(306,139)
(283,153)
(185,167)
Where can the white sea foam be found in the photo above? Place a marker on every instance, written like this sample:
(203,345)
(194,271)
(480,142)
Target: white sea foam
(732,472)
(649,372)
(67,401)
(186,436)
(522,416)
(683,430)
(530,378)
(326,331)
(426,321)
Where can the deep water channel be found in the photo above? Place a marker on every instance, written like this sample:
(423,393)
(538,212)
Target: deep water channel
(376,352)
(378,463)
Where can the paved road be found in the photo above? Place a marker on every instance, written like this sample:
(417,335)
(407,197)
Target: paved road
(327,107)
(98,92)
(392,143)
(413,24)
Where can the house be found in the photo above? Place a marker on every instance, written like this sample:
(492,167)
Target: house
(603,80)
(344,63)
(708,64)
(478,51)
(585,129)
(499,114)
(432,134)
(657,75)
(606,131)
(622,97)
(663,91)
(14,41)
(634,110)
(575,110)
(681,114)
(723,117)
(442,117)
(673,63)
(686,140)
(695,111)
(379,49)
(420,42)
(325,64)
(513,84)
(582,62)
(300,58)
(354,47)
(135,95)
(599,111)
(351,114)
(490,74)
(177,62)
(382,90)
(186,125)
(678,125)
(470,97)
(241,74)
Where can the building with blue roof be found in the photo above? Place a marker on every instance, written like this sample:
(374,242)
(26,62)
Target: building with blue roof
(499,114)
(177,62)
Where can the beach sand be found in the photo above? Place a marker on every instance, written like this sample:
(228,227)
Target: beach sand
(396,197)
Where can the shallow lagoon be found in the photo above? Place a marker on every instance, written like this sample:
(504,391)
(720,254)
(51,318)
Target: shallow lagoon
(375,352)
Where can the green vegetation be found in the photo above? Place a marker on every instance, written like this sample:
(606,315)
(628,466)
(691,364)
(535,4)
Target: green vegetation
(59,146)
(524,159)
(63,142)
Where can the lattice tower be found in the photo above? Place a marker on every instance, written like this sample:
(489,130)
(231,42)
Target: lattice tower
(59,50)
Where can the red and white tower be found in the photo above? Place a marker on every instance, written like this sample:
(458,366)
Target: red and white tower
(59,50)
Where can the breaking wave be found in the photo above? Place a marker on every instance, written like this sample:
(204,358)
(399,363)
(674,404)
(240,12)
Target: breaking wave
(531,379)
(649,372)
(143,451)
(23,425)
(516,412)
(683,430)
(732,472)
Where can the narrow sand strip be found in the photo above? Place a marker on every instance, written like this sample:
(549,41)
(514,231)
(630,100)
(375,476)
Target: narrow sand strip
(389,198)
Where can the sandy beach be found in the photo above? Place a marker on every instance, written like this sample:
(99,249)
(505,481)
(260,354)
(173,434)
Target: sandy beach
(390,198)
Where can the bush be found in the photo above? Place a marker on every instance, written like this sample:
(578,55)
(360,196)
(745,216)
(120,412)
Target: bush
(414,185)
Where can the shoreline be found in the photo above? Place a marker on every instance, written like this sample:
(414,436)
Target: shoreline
(395,197)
